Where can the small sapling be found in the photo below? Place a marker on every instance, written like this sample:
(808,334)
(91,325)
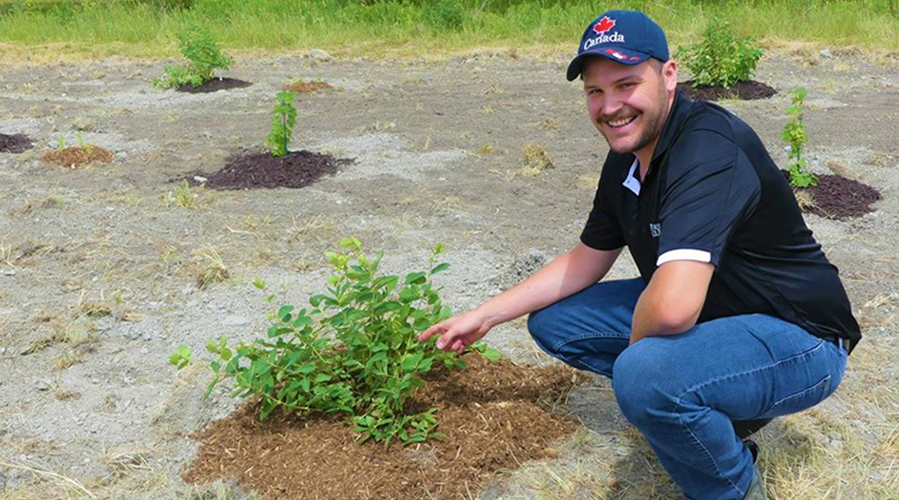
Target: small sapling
(284,117)
(794,134)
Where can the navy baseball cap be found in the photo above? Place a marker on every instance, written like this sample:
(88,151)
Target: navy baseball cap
(624,36)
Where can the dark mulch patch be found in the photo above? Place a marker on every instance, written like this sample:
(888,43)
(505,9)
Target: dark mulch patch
(743,90)
(260,170)
(15,143)
(495,415)
(76,157)
(307,87)
(214,85)
(837,197)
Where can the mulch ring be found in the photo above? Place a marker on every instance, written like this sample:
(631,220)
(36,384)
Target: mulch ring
(214,85)
(307,87)
(840,198)
(260,170)
(746,91)
(15,143)
(495,415)
(76,156)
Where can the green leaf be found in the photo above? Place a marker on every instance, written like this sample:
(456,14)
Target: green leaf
(415,278)
(440,268)
(315,300)
(259,284)
(306,369)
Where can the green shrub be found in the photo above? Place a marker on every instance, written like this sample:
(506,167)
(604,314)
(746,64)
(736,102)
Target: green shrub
(199,47)
(794,134)
(353,352)
(720,58)
(284,117)
(447,15)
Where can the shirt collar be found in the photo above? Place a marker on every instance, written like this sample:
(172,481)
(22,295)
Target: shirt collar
(631,181)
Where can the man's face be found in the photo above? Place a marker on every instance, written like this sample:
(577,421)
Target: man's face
(629,104)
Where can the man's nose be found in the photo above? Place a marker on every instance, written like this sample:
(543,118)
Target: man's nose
(611,105)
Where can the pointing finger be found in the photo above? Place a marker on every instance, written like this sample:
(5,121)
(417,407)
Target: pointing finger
(439,327)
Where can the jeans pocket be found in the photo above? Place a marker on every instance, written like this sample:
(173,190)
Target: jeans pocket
(800,401)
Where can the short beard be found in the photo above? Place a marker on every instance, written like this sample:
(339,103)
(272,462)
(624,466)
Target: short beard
(655,122)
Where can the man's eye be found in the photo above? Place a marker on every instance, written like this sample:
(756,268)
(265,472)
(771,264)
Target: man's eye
(627,85)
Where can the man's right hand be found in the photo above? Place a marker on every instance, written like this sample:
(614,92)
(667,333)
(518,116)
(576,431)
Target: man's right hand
(458,332)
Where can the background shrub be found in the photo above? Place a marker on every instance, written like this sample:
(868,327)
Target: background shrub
(720,58)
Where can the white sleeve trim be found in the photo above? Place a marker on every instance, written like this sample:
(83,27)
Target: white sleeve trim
(684,254)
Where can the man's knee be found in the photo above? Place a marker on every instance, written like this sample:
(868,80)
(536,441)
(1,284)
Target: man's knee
(541,329)
(641,382)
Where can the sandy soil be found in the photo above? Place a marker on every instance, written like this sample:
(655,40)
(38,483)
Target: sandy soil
(98,269)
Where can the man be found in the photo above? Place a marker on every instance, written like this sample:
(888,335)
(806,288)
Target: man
(737,315)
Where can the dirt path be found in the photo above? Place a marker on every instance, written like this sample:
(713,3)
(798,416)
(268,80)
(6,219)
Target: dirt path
(98,267)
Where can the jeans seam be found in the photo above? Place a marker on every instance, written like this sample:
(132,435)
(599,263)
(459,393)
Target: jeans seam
(747,372)
(680,418)
(585,336)
(825,380)
(677,402)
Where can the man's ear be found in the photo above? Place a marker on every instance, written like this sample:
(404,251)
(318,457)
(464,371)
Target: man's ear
(669,73)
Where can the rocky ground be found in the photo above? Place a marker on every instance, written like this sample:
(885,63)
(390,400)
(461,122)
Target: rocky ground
(99,267)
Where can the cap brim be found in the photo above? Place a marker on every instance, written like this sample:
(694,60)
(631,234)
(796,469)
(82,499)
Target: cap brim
(628,57)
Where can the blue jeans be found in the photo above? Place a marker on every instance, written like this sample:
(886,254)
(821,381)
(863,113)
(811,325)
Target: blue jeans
(684,391)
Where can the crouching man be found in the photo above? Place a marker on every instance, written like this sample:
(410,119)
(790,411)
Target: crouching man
(737,315)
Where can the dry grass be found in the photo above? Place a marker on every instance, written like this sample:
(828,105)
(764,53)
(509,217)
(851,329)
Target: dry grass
(182,196)
(805,199)
(486,149)
(535,160)
(549,124)
(301,87)
(214,270)
(78,156)
(58,485)
(587,181)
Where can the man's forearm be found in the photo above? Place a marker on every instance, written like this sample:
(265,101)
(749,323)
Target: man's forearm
(564,276)
(672,301)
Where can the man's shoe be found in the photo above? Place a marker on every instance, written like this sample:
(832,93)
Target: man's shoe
(756,488)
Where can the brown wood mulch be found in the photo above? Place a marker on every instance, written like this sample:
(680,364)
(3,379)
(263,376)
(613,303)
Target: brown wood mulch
(76,156)
(260,170)
(840,198)
(307,87)
(496,415)
(214,85)
(15,143)
(746,91)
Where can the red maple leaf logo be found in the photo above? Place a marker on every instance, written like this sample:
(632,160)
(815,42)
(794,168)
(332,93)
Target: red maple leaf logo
(604,24)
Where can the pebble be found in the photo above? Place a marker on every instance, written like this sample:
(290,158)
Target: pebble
(318,55)
(825,53)
(42,385)
(235,320)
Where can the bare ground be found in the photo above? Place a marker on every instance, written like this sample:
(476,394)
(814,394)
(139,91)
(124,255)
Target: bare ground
(100,267)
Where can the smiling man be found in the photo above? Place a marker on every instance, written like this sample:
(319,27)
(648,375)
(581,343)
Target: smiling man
(737,316)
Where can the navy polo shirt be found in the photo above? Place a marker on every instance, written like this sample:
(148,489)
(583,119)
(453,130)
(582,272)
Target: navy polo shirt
(713,194)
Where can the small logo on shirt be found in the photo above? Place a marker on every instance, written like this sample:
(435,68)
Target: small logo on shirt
(655,230)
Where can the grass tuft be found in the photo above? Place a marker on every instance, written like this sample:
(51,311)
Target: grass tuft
(535,160)
(214,270)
